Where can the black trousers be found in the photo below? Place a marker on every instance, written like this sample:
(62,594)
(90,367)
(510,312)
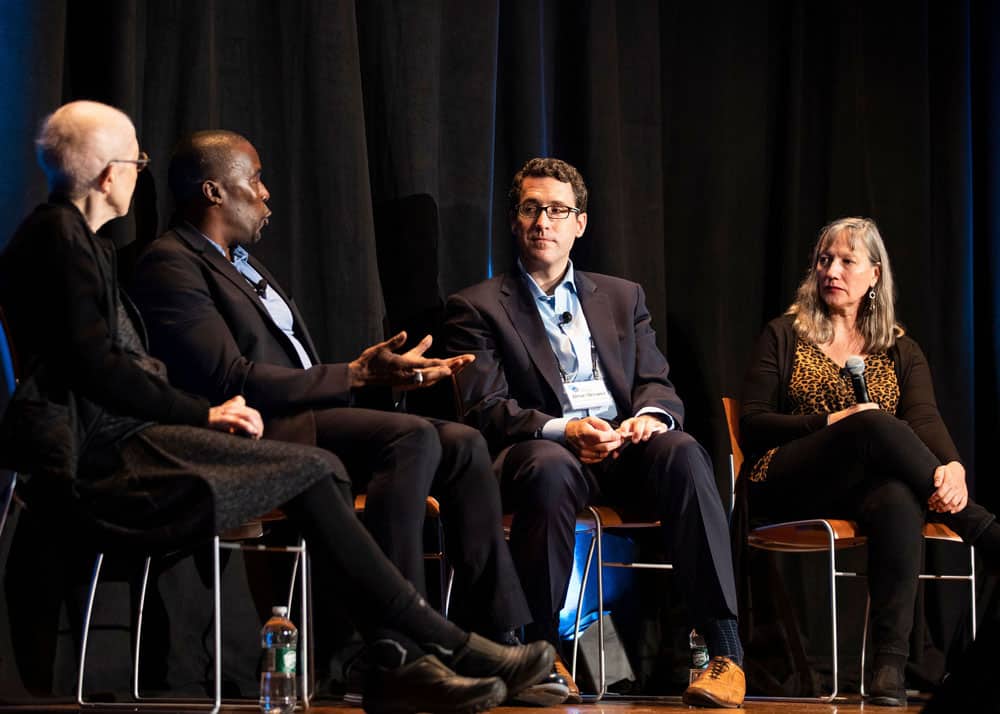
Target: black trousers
(668,478)
(377,598)
(871,468)
(400,459)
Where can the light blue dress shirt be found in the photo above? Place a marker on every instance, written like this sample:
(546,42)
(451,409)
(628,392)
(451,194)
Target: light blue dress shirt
(574,351)
(276,307)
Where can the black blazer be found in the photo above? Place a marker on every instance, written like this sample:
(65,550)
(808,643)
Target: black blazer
(208,325)
(59,287)
(513,387)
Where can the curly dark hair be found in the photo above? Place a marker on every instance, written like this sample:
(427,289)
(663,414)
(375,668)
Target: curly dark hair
(550,168)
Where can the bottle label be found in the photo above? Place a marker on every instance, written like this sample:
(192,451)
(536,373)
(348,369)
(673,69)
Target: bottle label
(285,660)
(699,657)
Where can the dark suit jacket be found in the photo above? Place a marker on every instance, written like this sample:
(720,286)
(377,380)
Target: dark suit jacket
(59,286)
(513,387)
(207,324)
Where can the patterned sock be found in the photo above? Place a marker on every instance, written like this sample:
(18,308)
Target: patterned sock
(723,639)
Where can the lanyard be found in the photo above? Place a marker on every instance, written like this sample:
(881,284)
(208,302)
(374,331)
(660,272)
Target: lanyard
(595,370)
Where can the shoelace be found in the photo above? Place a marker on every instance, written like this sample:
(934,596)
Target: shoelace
(719,667)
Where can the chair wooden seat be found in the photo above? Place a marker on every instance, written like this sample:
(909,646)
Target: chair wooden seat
(812,535)
(433,506)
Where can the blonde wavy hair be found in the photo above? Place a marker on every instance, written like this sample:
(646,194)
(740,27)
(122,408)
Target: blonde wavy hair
(876,319)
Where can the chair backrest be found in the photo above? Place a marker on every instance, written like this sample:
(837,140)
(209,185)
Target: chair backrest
(8,382)
(732,408)
(8,360)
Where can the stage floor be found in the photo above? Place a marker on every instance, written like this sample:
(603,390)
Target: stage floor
(609,706)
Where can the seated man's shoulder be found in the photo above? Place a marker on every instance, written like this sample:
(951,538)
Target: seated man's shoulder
(485,289)
(609,282)
(167,245)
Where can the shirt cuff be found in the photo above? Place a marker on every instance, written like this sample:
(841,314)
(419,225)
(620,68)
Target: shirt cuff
(554,429)
(667,419)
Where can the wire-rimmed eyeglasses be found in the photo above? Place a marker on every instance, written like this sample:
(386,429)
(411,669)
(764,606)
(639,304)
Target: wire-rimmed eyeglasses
(555,211)
(140,164)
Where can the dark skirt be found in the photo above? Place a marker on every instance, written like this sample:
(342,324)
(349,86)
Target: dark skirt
(168,486)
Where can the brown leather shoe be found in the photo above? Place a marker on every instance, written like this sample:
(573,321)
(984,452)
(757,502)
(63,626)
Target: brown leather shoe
(562,670)
(722,684)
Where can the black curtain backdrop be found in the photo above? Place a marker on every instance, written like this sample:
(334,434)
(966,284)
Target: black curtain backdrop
(716,139)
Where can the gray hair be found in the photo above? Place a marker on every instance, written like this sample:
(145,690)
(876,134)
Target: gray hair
(876,320)
(76,142)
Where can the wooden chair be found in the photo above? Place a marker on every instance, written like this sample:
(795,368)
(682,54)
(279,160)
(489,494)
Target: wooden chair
(828,535)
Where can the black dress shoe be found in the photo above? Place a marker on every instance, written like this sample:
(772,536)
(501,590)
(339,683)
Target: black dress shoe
(888,688)
(551,691)
(518,667)
(426,685)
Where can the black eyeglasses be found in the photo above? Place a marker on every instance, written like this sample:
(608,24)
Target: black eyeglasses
(140,164)
(554,211)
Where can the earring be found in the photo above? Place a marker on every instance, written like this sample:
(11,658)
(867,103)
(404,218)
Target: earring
(871,293)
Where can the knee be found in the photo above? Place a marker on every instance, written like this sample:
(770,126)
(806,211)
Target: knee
(464,444)
(421,436)
(873,427)
(550,478)
(892,506)
(678,453)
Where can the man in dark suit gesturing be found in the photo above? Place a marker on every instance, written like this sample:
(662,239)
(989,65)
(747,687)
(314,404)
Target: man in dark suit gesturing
(224,326)
(573,397)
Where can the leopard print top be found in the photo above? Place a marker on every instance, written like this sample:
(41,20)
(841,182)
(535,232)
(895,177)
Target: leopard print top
(819,386)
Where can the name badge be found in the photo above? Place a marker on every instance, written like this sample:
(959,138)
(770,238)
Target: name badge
(591,394)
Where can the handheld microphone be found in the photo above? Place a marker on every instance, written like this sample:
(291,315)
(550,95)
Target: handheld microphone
(855,366)
(565,319)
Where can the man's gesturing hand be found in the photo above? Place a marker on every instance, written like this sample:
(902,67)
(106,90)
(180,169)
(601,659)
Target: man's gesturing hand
(381,365)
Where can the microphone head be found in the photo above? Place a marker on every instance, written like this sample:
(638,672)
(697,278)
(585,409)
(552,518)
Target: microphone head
(566,318)
(855,365)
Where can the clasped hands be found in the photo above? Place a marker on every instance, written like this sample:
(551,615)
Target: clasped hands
(235,417)
(592,439)
(381,365)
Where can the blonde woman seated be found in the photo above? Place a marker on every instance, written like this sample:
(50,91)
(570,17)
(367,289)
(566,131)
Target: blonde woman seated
(889,464)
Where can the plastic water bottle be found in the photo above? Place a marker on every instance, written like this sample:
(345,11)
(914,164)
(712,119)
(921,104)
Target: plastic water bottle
(699,655)
(279,640)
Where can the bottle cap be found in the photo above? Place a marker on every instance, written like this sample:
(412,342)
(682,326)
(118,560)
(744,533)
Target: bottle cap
(279,610)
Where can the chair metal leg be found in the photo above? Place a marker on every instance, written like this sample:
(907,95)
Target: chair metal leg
(217,604)
(864,643)
(972,587)
(88,613)
(579,601)
(447,591)
(8,499)
(139,704)
(833,612)
(599,528)
(138,629)
(304,635)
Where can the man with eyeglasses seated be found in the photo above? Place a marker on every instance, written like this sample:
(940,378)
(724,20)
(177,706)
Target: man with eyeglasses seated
(573,397)
(224,326)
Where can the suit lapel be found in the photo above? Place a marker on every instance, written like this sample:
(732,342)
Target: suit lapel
(217,262)
(596,306)
(518,303)
(298,323)
(228,272)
